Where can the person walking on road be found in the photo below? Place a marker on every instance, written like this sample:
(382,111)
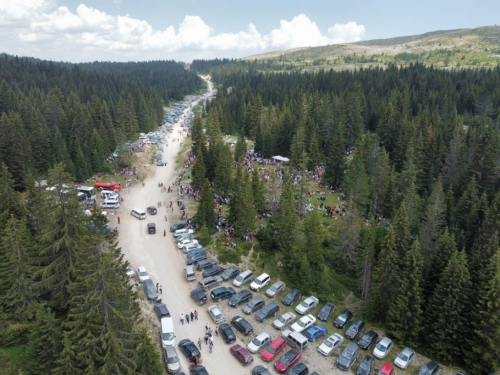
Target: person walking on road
(196,314)
(192,316)
(164,232)
(199,343)
(206,338)
(182,319)
(207,328)
(118,219)
(211,346)
(187,318)
(216,331)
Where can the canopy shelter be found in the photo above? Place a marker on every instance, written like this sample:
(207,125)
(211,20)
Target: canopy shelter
(281,159)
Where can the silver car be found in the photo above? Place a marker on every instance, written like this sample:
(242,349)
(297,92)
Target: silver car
(172,360)
(215,313)
(275,289)
(404,358)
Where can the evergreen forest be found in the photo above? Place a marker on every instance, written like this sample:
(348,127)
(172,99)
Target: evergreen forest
(415,150)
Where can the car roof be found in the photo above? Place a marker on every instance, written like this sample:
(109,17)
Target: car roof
(386,368)
(407,351)
(161,307)
(385,341)
(151,224)
(264,275)
(263,335)
(142,269)
(170,350)
(351,347)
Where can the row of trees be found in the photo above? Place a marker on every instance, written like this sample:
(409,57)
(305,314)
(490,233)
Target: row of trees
(64,293)
(416,151)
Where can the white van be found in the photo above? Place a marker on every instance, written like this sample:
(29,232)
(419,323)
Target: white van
(138,213)
(108,194)
(107,205)
(295,339)
(167,332)
(243,278)
(189,272)
(112,200)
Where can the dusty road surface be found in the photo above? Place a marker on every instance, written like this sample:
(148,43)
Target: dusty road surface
(165,263)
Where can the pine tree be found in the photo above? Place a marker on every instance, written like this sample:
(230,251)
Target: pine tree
(147,358)
(335,161)
(298,150)
(11,201)
(223,171)
(313,152)
(241,212)
(467,214)
(366,261)
(402,235)
(356,184)
(241,147)
(445,246)
(379,184)
(258,194)
(205,216)
(287,223)
(199,173)
(404,317)
(313,238)
(446,317)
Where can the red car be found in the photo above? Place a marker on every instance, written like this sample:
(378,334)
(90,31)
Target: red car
(287,360)
(241,354)
(273,349)
(386,369)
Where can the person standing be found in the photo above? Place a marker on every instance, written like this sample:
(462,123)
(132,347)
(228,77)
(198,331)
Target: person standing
(206,338)
(192,316)
(216,331)
(182,319)
(187,318)
(164,232)
(199,343)
(196,314)
(118,219)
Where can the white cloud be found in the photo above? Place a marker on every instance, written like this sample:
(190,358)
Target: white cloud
(42,29)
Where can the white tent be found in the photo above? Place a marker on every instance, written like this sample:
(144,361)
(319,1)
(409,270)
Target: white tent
(281,158)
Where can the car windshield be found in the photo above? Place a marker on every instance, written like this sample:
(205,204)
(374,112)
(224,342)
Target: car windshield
(403,357)
(143,273)
(270,349)
(304,304)
(151,290)
(347,355)
(366,338)
(272,288)
(258,282)
(218,316)
(239,278)
(381,347)
(301,323)
(167,336)
(288,357)
(256,341)
(171,360)
(353,329)
(364,366)
(282,320)
(252,303)
(264,310)
(341,318)
(424,371)
(329,343)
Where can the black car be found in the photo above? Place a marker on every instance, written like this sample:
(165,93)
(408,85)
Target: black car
(355,329)
(260,370)
(241,297)
(205,263)
(214,271)
(366,365)
(178,225)
(161,310)
(198,296)
(326,311)
(348,357)
(152,210)
(242,325)
(368,339)
(230,273)
(343,319)
(299,369)
(198,370)
(189,349)
(151,228)
(291,297)
(227,333)
(430,368)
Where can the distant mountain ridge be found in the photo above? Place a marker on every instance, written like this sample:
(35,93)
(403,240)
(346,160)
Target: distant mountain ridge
(447,49)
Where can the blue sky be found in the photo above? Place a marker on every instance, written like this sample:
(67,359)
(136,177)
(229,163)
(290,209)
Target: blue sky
(124,30)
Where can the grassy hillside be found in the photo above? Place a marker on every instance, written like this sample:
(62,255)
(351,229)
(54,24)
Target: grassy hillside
(464,48)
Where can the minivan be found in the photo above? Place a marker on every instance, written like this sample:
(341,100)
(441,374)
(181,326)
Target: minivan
(109,205)
(196,255)
(275,289)
(243,278)
(190,247)
(167,332)
(253,305)
(189,273)
(295,339)
(222,293)
(138,213)
(271,309)
(150,289)
(112,200)
(209,282)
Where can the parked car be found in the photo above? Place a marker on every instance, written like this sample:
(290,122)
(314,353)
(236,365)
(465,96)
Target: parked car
(404,358)
(151,228)
(316,332)
(209,282)
(303,323)
(230,273)
(273,349)
(198,370)
(430,368)
(284,320)
(161,310)
(213,271)
(307,305)
(242,325)
(190,350)
(348,357)
(343,319)
(259,342)
(330,344)
(260,282)
(291,297)
(130,272)
(187,242)
(177,226)
(298,369)
(287,360)
(368,339)
(326,311)
(271,309)
(275,289)
(221,293)
(198,296)
(253,305)
(241,297)
(205,263)
(260,370)
(366,366)
(142,274)
(241,354)
(354,329)
(382,348)
(216,314)
(227,333)
(243,278)
(172,360)
(386,369)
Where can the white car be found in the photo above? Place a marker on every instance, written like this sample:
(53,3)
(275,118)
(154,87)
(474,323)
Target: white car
(404,358)
(142,273)
(260,282)
(215,313)
(259,342)
(130,272)
(303,323)
(284,320)
(185,243)
(306,305)
(382,348)
(330,344)
(178,232)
